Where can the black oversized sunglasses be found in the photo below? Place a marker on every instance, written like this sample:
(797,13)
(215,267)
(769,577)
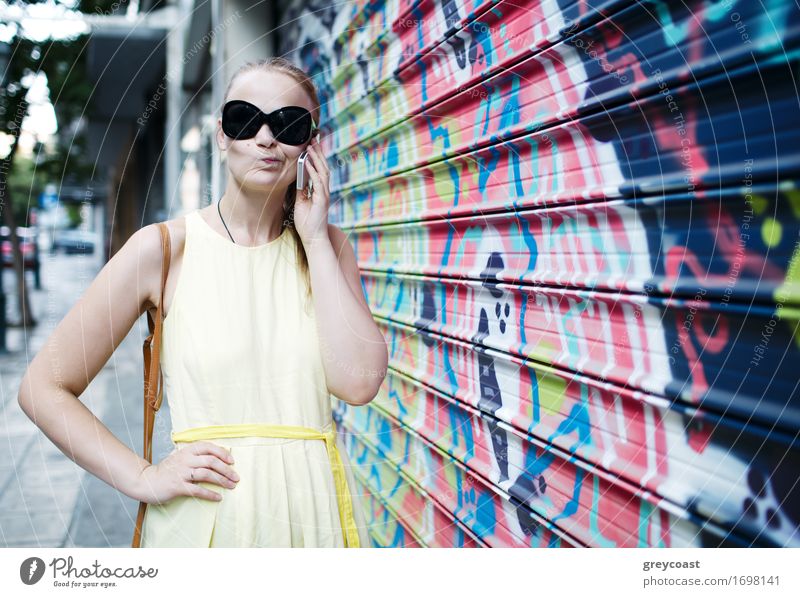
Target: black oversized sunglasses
(292,125)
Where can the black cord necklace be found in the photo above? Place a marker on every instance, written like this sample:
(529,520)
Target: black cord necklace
(219,211)
(223,221)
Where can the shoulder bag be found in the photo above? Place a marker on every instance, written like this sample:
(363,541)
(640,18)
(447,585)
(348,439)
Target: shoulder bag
(153,379)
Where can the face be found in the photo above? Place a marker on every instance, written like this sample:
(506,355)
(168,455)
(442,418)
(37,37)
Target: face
(245,157)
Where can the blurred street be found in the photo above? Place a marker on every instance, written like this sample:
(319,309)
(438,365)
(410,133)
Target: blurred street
(46,500)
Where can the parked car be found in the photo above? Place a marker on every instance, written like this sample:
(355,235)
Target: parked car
(28,245)
(73,240)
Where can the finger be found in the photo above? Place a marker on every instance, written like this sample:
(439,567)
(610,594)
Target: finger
(195,490)
(214,463)
(312,167)
(319,185)
(313,174)
(320,159)
(204,474)
(218,451)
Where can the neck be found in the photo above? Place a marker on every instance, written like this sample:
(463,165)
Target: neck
(253,218)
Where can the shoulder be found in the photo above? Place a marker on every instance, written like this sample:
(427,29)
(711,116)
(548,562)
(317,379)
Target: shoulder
(147,242)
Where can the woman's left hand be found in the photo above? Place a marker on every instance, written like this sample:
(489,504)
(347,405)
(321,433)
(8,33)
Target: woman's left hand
(311,214)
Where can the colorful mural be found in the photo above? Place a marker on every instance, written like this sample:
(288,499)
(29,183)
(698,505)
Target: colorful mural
(578,226)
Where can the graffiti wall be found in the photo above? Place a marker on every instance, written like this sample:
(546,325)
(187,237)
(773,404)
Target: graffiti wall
(578,226)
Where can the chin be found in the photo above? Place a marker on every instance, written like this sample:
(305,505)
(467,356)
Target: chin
(266,183)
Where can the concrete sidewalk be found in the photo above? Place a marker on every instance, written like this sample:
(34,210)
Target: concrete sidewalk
(46,500)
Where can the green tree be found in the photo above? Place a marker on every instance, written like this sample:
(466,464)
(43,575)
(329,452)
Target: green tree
(63,62)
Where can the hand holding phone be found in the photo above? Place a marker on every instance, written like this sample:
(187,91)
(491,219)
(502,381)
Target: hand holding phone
(302,173)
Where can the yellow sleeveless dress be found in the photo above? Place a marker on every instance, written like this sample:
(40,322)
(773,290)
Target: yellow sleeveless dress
(243,369)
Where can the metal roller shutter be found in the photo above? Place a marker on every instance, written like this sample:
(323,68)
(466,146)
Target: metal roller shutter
(577,225)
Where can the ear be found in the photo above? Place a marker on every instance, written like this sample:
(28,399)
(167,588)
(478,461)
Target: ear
(223,142)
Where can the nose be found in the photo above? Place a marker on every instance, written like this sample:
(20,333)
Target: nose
(264,135)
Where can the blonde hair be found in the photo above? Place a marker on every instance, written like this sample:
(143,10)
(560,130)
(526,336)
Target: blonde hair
(282,65)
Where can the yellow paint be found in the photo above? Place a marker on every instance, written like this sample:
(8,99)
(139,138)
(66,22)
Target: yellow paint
(771,232)
(794,202)
(788,293)
(552,390)
(759,204)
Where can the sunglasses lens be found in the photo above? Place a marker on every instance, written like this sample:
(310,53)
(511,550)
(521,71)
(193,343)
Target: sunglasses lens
(291,125)
(241,120)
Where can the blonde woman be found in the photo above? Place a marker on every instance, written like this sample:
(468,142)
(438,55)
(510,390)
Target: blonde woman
(264,317)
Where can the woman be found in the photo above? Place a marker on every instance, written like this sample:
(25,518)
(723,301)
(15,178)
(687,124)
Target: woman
(264,316)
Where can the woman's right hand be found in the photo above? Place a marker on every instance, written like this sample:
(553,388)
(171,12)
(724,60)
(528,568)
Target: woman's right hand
(172,477)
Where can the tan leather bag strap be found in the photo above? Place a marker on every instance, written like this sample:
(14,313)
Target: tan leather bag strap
(153,378)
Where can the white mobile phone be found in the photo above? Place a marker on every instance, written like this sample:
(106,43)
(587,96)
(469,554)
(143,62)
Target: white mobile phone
(302,173)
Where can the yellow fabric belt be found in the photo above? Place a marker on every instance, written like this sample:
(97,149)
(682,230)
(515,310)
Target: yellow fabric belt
(343,496)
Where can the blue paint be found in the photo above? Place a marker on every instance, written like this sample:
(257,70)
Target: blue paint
(461,424)
(515,172)
(455,178)
(400,482)
(674,34)
(400,293)
(530,243)
(383,436)
(510,113)
(471,234)
(395,396)
(375,240)
(437,132)
(482,128)
(535,401)
(482,37)
(571,506)
(392,156)
(574,352)
(447,247)
(577,420)
(487,164)
(485,519)
(423,73)
(450,370)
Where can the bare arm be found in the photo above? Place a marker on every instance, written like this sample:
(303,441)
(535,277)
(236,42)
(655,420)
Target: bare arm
(77,350)
(354,349)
